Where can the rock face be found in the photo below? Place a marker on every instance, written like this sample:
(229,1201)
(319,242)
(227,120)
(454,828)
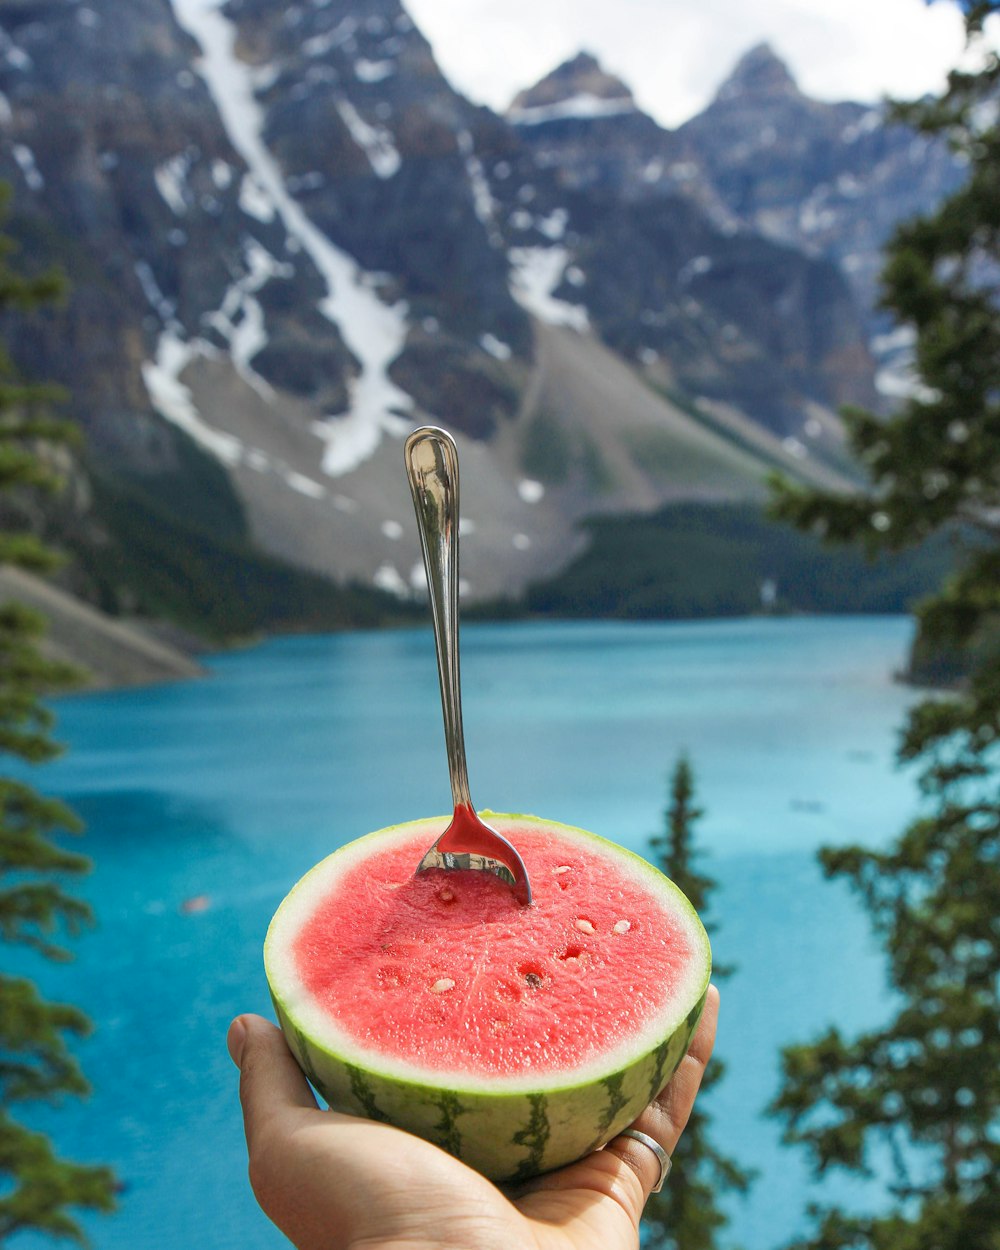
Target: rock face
(380,154)
(289,240)
(831,179)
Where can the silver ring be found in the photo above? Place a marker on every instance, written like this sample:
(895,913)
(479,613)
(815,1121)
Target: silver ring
(662,1157)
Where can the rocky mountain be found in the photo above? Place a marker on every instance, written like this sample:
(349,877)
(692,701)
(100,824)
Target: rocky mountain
(290,240)
(700,307)
(830,181)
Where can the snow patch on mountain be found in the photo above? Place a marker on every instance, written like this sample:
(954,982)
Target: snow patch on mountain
(535,274)
(482,196)
(554,225)
(240,319)
(15,56)
(304,485)
(165,308)
(866,123)
(320,45)
(375,141)
(171,182)
(29,168)
(254,200)
(374,332)
(388,577)
(373,71)
(172,399)
(584,106)
(496,347)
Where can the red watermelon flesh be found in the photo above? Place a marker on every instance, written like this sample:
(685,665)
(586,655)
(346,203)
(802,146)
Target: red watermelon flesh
(446,970)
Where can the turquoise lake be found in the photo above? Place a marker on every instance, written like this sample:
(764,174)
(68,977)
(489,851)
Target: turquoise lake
(231,787)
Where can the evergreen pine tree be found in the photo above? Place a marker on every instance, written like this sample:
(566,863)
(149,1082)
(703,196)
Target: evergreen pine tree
(921,1094)
(686,1214)
(37,1189)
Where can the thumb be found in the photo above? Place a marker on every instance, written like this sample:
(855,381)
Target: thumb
(272,1087)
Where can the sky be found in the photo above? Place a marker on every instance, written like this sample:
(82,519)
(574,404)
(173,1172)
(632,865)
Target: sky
(675,53)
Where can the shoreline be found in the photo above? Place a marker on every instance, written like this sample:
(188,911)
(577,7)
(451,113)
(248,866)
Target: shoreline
(119,654)
(112,654)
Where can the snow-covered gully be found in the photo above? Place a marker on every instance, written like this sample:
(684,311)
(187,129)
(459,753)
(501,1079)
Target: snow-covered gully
(373,331)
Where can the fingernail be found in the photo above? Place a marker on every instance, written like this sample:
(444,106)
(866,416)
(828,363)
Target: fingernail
(235,1039)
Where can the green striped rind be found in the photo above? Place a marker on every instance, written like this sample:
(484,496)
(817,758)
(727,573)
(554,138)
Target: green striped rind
(506,1135)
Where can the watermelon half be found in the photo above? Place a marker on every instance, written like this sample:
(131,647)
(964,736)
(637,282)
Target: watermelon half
(517,1038)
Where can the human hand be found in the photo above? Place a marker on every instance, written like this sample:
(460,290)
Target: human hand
(336,1182)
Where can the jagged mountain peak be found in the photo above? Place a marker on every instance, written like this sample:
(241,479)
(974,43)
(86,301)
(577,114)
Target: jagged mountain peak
(577,87)
(759,74)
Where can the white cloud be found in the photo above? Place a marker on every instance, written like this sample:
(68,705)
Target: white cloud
(674,53)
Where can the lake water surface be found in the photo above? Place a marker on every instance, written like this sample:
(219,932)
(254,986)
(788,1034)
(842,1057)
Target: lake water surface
(231,787)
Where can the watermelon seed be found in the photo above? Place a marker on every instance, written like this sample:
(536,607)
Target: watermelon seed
(442,985)
(446,895)
(585,926)
(533,974)
(621,926)
(562,868)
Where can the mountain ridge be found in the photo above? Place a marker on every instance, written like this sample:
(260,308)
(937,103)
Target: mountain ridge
(290,240)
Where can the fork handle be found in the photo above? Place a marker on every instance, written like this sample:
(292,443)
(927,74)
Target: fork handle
(432,470)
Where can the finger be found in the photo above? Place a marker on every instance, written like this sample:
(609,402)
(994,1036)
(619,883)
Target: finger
(664,1119)
(272,1086)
